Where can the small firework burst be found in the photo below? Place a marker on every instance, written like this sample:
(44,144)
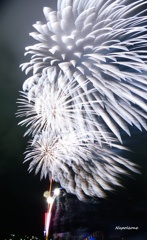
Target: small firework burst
(49,105)
(78,162)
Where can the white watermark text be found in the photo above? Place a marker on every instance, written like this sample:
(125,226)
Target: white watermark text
(126,228)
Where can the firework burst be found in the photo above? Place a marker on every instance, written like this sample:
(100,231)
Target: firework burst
(104,43)
(49,105)
(89,71)
(80,164)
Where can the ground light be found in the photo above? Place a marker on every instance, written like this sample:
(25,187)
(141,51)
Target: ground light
(50,200)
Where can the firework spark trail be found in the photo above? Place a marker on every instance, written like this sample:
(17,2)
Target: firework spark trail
(102,42)
(57,213)
(88,75)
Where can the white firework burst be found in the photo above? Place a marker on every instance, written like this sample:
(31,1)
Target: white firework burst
(104,43)
(77,162)
(89,74)
(49,105)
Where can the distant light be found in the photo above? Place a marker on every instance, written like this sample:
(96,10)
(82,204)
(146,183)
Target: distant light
(46,194)
(50,200)
(57,191)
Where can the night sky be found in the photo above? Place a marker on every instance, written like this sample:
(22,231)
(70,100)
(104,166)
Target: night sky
(22,204)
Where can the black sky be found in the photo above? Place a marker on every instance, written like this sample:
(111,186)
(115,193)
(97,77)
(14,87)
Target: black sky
(22,204)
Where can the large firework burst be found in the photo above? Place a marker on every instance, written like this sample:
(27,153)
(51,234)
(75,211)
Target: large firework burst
(103,42)
(89,71)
